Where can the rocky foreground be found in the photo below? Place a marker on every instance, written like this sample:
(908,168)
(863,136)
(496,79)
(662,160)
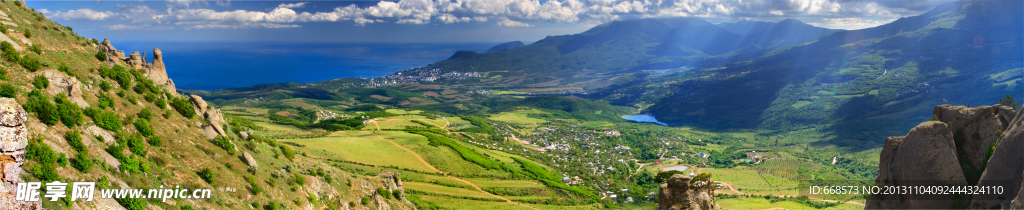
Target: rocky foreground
(964,146)
(679,193)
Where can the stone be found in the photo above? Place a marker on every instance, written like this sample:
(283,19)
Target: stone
(13,140)
(902,160)
(243,135)
(209,132)
(249,160)
(974,130)
(134,60)
(156,70)
(676,194)
(392,181)
(112,53)
(3,37)
(199,104)
(61,83)
(1005,168)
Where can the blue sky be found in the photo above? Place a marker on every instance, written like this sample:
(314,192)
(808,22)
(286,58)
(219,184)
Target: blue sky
(406,21)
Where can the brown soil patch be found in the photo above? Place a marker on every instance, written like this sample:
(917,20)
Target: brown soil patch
(286,114)
(431,93)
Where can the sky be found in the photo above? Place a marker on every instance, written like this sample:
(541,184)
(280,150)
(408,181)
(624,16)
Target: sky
(425,21)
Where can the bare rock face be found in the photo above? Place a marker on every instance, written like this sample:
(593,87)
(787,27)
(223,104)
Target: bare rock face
(13,140)
(926,153)
(676,194)
(1006,168)
(112,53)
(243,135)
(974,130)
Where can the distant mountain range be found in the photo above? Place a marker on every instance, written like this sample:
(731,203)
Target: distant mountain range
(860,84)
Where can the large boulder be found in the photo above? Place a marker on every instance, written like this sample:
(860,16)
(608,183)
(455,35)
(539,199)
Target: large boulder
(199,104)
(392,181)
(927,153)
(249,160)
(13,140)
(1005,168)
(676,194)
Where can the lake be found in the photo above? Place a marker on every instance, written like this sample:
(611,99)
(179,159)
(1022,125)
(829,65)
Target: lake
(220,65)
(675,168)
(644,118)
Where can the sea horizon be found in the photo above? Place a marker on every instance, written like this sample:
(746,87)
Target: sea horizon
(224,65)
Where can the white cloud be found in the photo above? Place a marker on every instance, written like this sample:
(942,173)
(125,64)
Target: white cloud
(512,13)
(80,14)
(511,23)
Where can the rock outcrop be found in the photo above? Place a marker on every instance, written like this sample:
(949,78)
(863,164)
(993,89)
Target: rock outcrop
(157,72)
(67,85)
(961,146)
(677,194)
(249,160)
(112,53)
(135,60)
(13,140)
(1005,167)
(901,162)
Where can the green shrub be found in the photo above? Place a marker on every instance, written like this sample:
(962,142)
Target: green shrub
(225,144)
(105,101)
(82,162)
(36,49)
(365,200)
(45,157)
(155,141)
(70,113)
(3,73)
(137,144)
(62,159)
(74,139)
(130,98)
(161,102)
(31,63)
(104,85)
(100,55)
(145,114)
(150,97)
(8,90)
(28,33)
(3,28)
(184,107)
(105,119)
(45,111)
(40,82)
(9,52)
(383,193)
(287,151)
(207,175)
(132,203)
(143,126)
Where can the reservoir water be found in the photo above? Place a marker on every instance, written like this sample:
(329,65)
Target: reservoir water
(676,168)
(644,118)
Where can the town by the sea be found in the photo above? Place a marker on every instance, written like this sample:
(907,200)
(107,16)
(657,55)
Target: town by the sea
(219,65)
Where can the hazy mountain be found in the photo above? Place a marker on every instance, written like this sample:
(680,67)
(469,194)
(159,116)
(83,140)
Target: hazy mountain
(776,34)
(506,46)
(864,84)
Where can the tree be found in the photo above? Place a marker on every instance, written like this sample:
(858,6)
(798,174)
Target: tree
(40,82)
(100,55)
(1008,101)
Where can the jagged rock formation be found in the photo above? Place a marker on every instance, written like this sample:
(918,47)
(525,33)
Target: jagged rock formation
(155,71)
(112,53)
(961,146)
(676,194)
(13,140)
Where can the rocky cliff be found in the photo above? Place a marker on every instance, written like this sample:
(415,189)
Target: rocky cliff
(13,140)
(962,146)
(678,193)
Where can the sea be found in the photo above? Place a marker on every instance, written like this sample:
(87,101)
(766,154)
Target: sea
(222,65)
